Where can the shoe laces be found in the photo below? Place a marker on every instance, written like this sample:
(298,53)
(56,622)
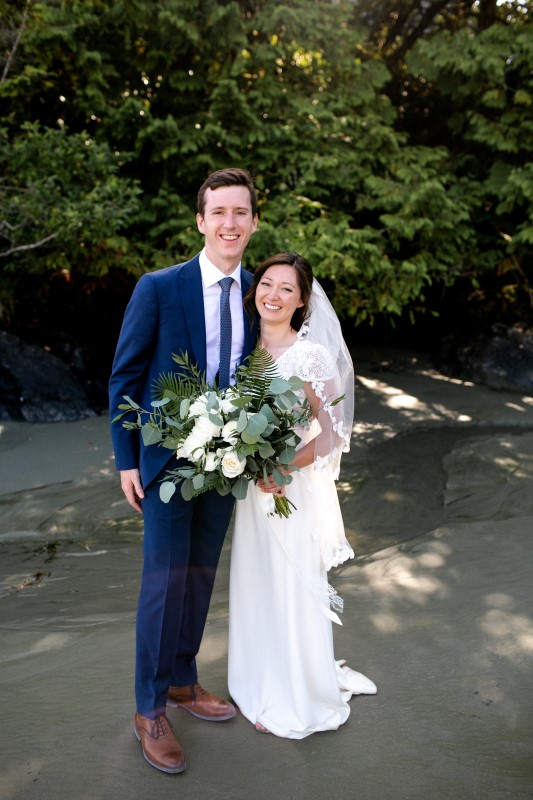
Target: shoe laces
(198,691)
(161,727)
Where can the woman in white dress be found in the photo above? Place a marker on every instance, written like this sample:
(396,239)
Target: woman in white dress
(282,673)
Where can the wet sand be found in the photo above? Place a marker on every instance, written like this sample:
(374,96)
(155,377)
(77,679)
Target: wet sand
(438,503)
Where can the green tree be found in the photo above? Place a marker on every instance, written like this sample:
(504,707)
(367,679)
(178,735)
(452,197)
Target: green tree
(64,206)
(390,142)
(486,84)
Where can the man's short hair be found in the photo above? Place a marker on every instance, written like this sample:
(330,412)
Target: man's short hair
(232,176)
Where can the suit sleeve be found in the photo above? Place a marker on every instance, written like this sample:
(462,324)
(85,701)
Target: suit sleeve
(133,355)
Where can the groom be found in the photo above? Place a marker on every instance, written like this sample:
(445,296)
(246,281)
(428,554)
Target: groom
(173,310)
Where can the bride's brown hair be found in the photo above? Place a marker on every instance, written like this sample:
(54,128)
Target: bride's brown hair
(304,276)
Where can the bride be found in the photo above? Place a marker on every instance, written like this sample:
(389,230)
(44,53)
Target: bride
(282,673)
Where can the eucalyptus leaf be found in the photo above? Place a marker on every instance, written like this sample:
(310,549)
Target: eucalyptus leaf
(198,481)
(242,421)
(184,407)
(282,402)
(173,423)
(187,489)
(266,450)
(278,476)
(170,442)
(166,491)
(239,489)
(256,424)
(241,402)
(151,435)
(291,398)
(286,456)
(279,386)
(132,402)
(186,472)
(212,401)
(249,438)
(267,412)
(296,382)
(251,464)
(159,403)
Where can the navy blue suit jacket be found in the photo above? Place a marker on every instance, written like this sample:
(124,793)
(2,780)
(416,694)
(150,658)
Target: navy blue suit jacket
(164,316)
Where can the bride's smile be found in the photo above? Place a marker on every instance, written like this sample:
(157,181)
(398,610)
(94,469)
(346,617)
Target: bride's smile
(278,296)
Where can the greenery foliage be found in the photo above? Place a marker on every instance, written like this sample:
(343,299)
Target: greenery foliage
(227,437)
(391,142)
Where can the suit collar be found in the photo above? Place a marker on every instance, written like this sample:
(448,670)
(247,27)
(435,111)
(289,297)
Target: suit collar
(192,298)
(211,273)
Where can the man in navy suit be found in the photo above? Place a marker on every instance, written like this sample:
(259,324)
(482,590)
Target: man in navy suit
(173,310)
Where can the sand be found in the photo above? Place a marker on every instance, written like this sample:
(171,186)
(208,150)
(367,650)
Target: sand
(438,504)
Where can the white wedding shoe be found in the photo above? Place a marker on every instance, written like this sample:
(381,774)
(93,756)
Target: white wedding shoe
(352,681)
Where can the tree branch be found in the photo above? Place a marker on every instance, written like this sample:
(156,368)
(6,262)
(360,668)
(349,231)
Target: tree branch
(20,248)
(17,42)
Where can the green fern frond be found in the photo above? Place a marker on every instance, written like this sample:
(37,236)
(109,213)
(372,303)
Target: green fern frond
(170,385)
(187,383)
(254,377)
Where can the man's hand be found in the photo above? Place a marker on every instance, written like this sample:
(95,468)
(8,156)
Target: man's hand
(130,481)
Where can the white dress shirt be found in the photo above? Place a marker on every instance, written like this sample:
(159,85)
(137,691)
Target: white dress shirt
(211,275)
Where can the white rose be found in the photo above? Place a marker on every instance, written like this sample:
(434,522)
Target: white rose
(197,454)
(229,432)
(232,465)
(211,462)
(198,407)
(226,405)
(192,448)
(204,430)
(182,451)
(192,444)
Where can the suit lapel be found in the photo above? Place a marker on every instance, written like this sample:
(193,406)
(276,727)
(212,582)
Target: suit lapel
(192,298)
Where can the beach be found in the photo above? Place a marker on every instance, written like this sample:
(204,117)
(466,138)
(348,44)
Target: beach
(437,500)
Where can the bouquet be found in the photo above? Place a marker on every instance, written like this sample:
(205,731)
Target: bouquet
(229,436)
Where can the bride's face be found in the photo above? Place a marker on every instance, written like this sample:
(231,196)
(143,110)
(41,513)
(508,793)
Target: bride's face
(278,294)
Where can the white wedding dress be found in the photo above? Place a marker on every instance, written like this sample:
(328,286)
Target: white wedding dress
(282,672)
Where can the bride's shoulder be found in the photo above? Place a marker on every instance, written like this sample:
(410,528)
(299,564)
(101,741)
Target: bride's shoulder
(314,360)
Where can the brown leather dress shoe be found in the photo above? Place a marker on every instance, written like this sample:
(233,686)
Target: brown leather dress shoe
(160,747)
(200,703)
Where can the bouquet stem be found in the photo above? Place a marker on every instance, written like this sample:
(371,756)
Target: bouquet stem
(282,507)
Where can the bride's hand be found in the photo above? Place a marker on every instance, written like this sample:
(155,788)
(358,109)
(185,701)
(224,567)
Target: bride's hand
(271,487)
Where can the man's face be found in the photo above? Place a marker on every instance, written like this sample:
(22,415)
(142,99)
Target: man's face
(227,224)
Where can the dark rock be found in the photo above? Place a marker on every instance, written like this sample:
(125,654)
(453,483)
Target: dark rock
(503,361)
(36,386)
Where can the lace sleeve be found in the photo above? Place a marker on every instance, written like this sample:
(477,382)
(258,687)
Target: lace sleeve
(314,365)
